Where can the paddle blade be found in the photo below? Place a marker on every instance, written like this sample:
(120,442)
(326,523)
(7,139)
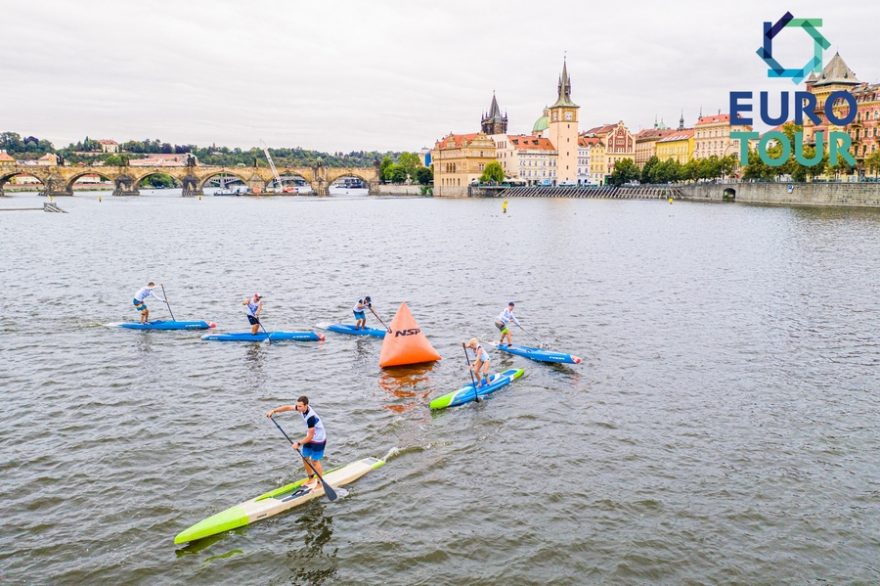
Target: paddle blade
(328,490)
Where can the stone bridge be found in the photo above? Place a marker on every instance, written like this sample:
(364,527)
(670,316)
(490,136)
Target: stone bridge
(59,180)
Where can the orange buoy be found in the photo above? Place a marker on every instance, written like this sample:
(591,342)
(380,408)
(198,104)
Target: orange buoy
(406,343)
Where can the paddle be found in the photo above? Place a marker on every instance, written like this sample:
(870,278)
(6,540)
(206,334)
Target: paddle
(380,319)
(540,343)
(165,299)
(471,371)
(268,339)
(328,490)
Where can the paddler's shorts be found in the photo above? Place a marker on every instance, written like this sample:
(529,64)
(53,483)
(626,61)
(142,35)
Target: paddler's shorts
(314,451)
(359,315)
(501,326)
(252,320)
(139,305)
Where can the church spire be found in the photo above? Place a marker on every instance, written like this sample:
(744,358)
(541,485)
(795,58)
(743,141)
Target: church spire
(493,122)
(681,120)
(563,90)
(494,110)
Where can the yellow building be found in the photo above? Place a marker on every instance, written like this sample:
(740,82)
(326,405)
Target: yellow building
(563,127)
(646,143)
(678,146)
(459,160)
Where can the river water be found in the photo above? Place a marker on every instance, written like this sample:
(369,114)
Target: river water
(723,427)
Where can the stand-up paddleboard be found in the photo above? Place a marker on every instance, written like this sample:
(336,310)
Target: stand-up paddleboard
(274,502)
(466,393)
(539,354)
(164,325)
(351,330)
(262,336)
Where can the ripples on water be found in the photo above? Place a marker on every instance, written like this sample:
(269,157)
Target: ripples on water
(723,428)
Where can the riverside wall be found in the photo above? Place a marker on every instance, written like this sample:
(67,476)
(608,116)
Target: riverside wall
(805,194)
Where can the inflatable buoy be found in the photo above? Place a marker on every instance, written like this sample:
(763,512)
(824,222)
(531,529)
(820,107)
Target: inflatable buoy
(406,343)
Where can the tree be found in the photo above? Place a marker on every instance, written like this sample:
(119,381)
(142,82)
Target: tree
(758,170)
(424,175)
(624,171)
(396,173)
(872,162)
(492,173)
(384,166)
(409,162)
(648,169)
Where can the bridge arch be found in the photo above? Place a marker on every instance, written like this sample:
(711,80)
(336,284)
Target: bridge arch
(203,180)
(289,176)
(92,171)
(6,176)
(178,181)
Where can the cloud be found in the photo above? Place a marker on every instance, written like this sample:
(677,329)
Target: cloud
(349,75)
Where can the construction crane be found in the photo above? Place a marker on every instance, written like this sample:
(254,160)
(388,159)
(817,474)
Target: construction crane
(279,186)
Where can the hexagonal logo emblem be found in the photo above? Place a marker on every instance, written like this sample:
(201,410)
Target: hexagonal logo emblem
(820,43)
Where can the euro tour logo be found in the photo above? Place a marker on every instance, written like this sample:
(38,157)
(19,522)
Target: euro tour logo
(805,105)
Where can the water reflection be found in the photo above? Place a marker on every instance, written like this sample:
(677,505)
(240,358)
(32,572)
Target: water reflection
(255,360)
(311,564)
(408,386)
(144,343)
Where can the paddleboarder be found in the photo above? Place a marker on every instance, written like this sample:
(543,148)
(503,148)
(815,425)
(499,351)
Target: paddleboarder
(254,309)
(359,311)
(312,446)
(141,296)
(503,323)
(481,362)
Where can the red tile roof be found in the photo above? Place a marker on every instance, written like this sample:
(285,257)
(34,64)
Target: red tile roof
(107,141)
(527,142)
(589,140)
(604,129)
(648,133)
(714,119)
(5,157)
(683,134)
(455,140)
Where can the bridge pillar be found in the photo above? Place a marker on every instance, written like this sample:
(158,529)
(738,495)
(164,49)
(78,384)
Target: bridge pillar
(320,187)
(190,185)
(372,188)
(257,186)
(125,185)
(56,187)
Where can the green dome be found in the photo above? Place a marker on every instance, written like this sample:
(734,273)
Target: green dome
(541,124)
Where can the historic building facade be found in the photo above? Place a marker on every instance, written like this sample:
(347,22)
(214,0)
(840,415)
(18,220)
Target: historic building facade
(527,158)
(712,137)
(459,160)
(585,148)
(618,142)
(865,129)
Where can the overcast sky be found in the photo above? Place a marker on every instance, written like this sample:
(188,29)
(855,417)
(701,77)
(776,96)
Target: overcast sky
(352,75)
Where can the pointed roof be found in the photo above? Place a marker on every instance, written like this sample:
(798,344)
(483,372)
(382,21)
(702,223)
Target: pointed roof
(837,71)
(563,91)
(812,78)
(494,110)
(4,157)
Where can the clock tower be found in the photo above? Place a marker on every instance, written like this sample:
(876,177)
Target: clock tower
(564,130)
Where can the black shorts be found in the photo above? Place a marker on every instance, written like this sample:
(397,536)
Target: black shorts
(253,321)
